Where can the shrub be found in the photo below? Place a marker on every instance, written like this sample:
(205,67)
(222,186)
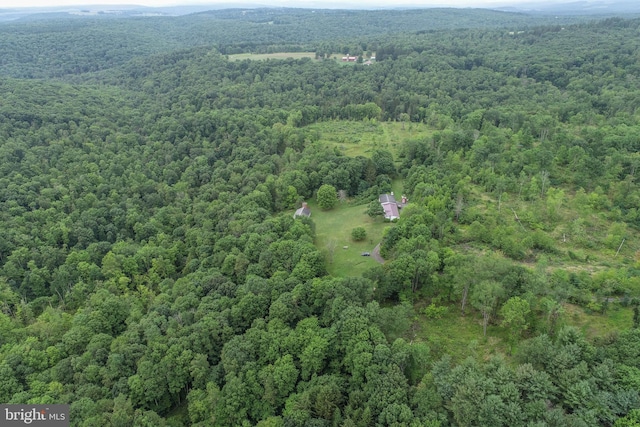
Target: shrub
(435,312)
(358,234)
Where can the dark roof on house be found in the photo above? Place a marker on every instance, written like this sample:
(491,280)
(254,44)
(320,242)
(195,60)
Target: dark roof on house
(387,198)
(303,211)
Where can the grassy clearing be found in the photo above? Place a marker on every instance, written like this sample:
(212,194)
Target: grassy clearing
(599,325)
(364,137)
(460,336)
(277,55)
(397,187)
(333,229)
(582,237)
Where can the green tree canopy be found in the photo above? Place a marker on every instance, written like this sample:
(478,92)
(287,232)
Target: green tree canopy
(327,196)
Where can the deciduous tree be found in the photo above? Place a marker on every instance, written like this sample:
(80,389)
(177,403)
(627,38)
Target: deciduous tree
(327,196)
(514,314)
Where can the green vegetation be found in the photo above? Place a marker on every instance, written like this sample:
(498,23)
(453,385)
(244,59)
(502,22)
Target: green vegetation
(78,46)
(327,197)
(358,234)
(514,314)
(460,337)
(152,273)
(333,237)
(375,209)
(362,138)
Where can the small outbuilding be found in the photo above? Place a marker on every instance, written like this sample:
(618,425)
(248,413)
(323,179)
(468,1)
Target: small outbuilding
(303,211)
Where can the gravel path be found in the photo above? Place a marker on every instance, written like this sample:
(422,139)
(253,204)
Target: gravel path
(376,254)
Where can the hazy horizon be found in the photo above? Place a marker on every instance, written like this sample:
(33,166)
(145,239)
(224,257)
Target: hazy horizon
(20,4)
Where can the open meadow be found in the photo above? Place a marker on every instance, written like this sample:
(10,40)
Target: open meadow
(362,138)
(275,55)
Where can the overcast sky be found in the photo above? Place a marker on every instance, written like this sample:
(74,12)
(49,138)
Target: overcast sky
(290,3)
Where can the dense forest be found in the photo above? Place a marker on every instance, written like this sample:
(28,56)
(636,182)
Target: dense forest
(77,45)
(152,272)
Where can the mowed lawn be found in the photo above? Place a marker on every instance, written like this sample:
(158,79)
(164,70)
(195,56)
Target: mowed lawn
(276,55)
(333,235)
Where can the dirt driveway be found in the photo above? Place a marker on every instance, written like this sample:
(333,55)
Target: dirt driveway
(376,254)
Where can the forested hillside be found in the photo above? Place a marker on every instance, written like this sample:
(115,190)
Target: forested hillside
(80,44)
(152,273)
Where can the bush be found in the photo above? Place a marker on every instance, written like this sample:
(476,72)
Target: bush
(543,242)
(375,209)
(358,234)
(576,256)
(594,307)
(435,312)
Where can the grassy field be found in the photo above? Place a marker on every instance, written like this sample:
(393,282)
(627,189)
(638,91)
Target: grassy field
(333,230)
(397,186)
(459,336)
(277,55)
(599,325)
(364,137)
(586,248)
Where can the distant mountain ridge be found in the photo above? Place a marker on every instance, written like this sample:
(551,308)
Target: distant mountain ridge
(128,31)
(581,7)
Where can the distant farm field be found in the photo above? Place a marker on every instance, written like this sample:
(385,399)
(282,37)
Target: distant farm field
(277,55)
